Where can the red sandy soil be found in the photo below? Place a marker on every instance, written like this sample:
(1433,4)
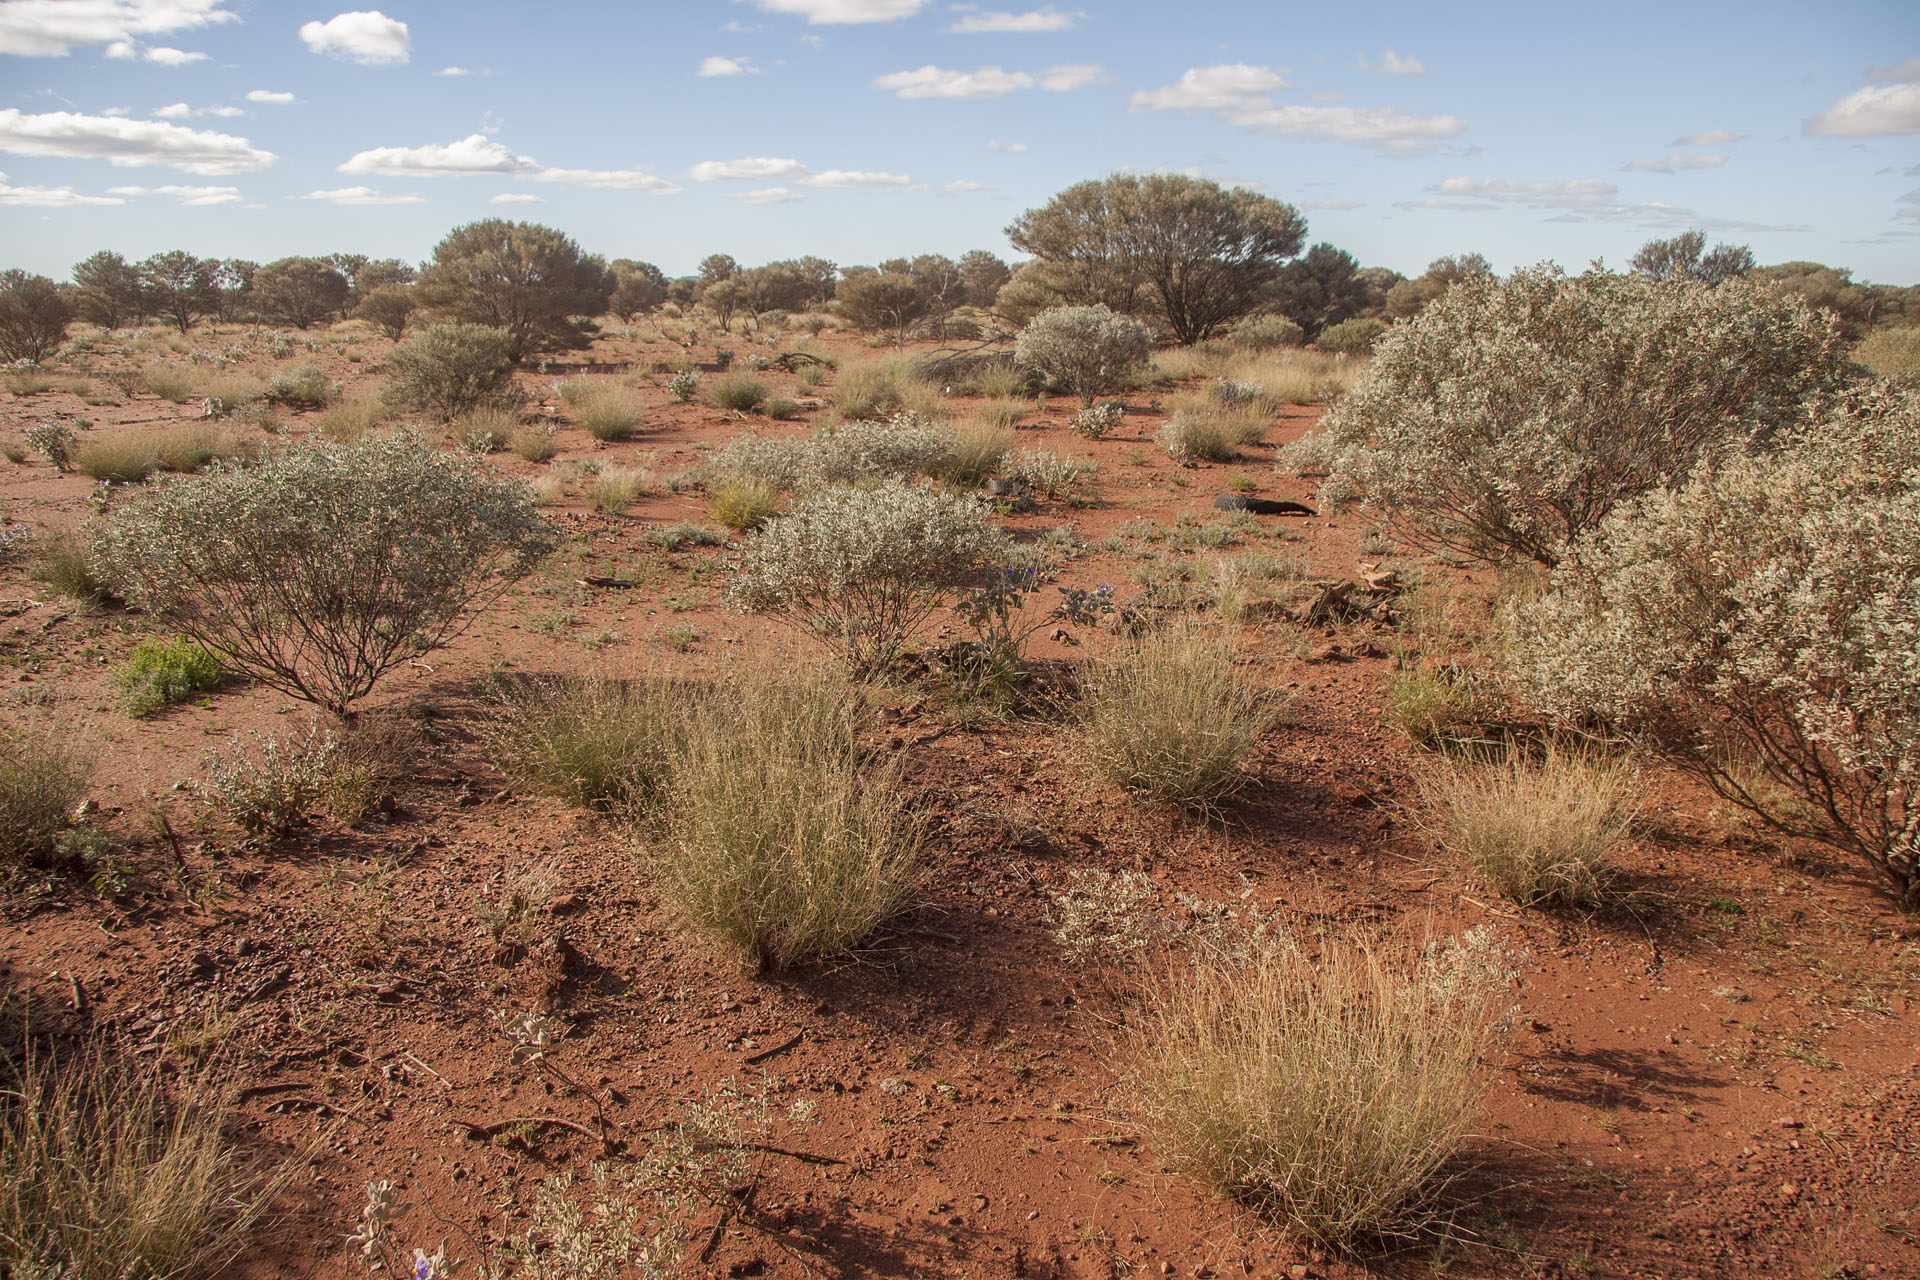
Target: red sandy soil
(1720,1078)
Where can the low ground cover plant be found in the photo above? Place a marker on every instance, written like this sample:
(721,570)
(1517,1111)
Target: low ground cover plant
(43,778)
(160,673)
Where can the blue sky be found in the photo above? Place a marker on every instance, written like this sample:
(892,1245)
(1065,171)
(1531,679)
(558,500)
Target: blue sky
(864,129)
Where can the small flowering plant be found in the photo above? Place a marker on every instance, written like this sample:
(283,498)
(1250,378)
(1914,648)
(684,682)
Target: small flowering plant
(56,441)
(683,385)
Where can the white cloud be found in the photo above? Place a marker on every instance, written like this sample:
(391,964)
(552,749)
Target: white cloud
(517,197)
(1332,204)
(274,97)
(1046,18)
(366,36)
(360,195)
(49,197)
(180,111)
(987,82)
(841,12)
(748,168)
(477,155)
(1215,88)
(1006,148)
(1395,64)
(960,186)
(765,195)
(1904,73)
(1676,162)
(1876,111)
(121,50)
(198,197)
(453,71)
(1708,138)
(719,66)
(53,28)
(1571,200)
(854,178)
(172,57)
(128,142)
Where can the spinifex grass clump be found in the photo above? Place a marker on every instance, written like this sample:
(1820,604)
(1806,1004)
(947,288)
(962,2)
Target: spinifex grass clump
(43,776)
(780,841)
(1325,1092)
(595,741)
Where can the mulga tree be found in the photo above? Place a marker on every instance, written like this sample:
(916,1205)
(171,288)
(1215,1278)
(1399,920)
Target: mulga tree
(531,281)
(299,291)
(179,287)
(107,290)
(34,315)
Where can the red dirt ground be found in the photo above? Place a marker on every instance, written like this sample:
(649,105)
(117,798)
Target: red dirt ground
(1719,1079)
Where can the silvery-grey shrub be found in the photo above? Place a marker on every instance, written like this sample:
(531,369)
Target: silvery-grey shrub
(1764,620)
(320,569)
(450,369)
(1089,351)
(1513,414)
(860,452)
(860,569)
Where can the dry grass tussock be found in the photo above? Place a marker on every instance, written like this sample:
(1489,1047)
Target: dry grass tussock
(104,1176)
(778,841)
(132,455)
(1541,831)
(595,741)
(1170,717)
(610,414)
(1328,1093)
(869,389)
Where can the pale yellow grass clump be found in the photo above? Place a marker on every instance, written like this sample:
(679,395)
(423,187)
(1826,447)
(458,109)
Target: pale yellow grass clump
(610,414)
(779,842)
(134,454)
(1542,831)
(596,741)
(615,488)
(1326,1093)
(877,388)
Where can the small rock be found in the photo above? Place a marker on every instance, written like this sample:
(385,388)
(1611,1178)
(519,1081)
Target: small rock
(894,1086)
(1788,1122)
(565,904)
(1538,1027)
(1299,1271)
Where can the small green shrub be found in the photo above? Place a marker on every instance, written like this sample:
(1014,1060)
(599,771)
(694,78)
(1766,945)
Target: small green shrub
(160,673)
(1264,333)
(449,369)
(781,409)
(1356,337)
(1088,351)
(741,392)
(266,790)
(307,387)
(676,537)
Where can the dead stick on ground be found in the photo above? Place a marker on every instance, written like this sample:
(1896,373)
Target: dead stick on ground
(754,1059)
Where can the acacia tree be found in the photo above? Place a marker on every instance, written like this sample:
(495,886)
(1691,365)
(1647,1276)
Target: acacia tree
(1190,253)
(33,316)
(299,291)
(180,287)
(638,287)
(889,303)
(529,280)
(107,290)
(1685,257)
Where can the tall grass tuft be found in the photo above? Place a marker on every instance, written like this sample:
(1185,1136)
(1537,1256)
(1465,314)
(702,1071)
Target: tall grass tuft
(43,776)
(1326,1093)
(978,450)
(778,842)
(594,741)
(1169,718)
(610,415)
(129,456)
(1542,832)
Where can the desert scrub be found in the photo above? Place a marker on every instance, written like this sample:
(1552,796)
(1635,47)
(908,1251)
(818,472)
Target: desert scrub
(610,415)
(266,789)
(1511,415)
(1434,707)
(160,673)
(107,1175)
(1266,332)
(1892,353)
(684,534)
(1169,718)
(306,387)
(485,431)
(349,420)
(1047,474)
(449,369)
(868,389)
(1540,831)
(176,385)
(43,778)
(745,503)
(903,446)
(133,455)
(974,452)
(1355,337)
(614,489)
(535,443)
(1088,351)
(1096,420)
(1327,1092)
(1764,612)
(322,568)
(1207,437)
(739,391)
(594,741)
(781,464)
(60,561)
(779,843)
(860,569)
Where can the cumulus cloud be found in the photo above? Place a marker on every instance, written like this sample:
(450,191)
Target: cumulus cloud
(517,197)
(765,195)
(181,111)
(785,169)
(854,178)
(1875,111)
(1708,138)
(961,186)
(172,57)
(453,71)
(1045,18)
(1006,148)
(360,195)
(128,142)
(1395,64)
(49,197)
(366,36)
(273,97)
(53,28)
(1241,95)
(986,82)
(477,155)
(719,66)
(1677,161)
(198,197)
(842,12)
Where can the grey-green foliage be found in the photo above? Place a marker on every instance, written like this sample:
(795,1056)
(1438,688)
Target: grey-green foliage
(861,568)
(1764,621)
(860,452)
(450,369)
(1088,351)
(322,568)
(1513,414)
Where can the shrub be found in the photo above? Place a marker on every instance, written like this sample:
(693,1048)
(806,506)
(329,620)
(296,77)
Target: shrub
(1512,415)
(54,439)
(160,673)
(676,537)
(530,281)
(611,415)
(1355,337)
(1326,1093)
(859,569)
(592,741)
(741,392)
(43,777)
(322,568)
(1096,420)
(1763,612)
(683,385)
(304,388)
(534,443)
(450,368)
(861,452)
(1047,474)
(103,1176)
(1541,832)
(1087,351)
(1892,353)
(782,464)
(266,791)
(1264,333)
(778,843)
(34,314)
(743,503)
(1204,436)
(1170,719)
